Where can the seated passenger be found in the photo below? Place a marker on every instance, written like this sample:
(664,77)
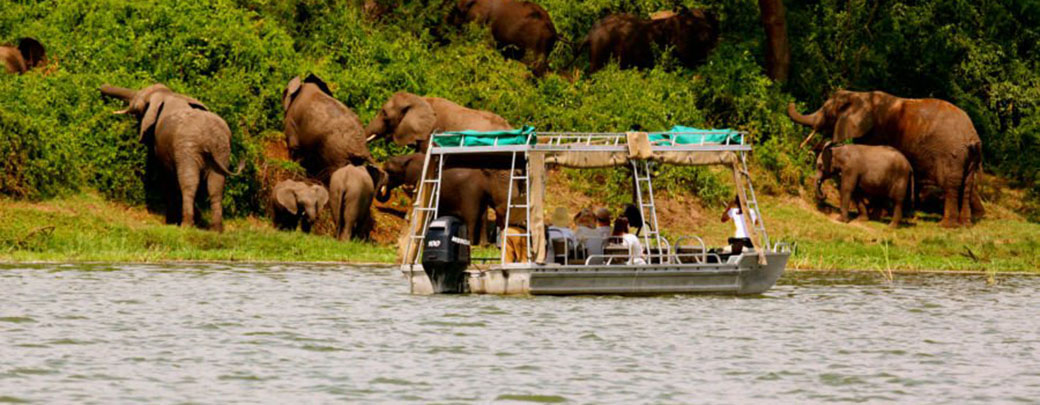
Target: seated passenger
(629,241)
(740,238)
(593,236)
(560,231)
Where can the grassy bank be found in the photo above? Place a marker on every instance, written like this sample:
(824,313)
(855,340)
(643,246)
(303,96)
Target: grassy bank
(86,227)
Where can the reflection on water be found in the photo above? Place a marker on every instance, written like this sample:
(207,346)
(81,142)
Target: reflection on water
(280,333)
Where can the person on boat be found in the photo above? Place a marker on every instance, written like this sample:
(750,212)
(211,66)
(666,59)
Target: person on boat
(515,246)
(740,239)
(629,241)
(560,230)
(635,218)
(593,232)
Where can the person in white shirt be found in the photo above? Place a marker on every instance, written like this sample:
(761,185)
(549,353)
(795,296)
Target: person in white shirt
(629,241)
(741,238)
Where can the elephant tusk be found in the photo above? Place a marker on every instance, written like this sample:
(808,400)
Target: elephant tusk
(370,138)
(120,112)
(807,138)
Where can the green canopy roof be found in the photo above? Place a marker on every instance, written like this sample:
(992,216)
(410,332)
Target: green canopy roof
(518,136)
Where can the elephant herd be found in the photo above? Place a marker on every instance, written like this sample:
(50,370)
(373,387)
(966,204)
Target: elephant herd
(899,142)
(328,140)
(524,31)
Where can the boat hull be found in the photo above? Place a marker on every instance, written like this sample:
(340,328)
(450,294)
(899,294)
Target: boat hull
(740,277)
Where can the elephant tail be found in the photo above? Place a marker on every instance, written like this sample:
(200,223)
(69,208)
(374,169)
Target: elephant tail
(221,168)
(911,198)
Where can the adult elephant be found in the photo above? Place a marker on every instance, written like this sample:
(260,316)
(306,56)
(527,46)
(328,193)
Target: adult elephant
(937,138)
(410,119)
(28,54)
(523,30)
(297,203)
(630,40)
(321,133)
(188,140)
(466,193)
(352,188)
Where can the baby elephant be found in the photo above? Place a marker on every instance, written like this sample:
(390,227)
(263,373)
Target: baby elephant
(298,203)
(867,173)
(352,188)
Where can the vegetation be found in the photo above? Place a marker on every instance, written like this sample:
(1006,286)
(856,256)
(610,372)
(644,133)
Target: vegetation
(59,137)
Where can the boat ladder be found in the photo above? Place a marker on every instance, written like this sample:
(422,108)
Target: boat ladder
(518,182)
(644,193)
(425,206)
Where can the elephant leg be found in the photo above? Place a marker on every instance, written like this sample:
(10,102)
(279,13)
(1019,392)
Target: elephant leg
(350,218)
(848,185)
(337,212)
(967,195)
(188,182)
(861,207)
(897,213)
(215,189)
(950,207)
(977,210)
(305,225)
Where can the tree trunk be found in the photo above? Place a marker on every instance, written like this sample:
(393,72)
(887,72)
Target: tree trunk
(778,52)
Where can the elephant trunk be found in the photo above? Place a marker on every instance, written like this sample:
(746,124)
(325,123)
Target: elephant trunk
(812,121)
(311,212)
(375,128)
(121,93)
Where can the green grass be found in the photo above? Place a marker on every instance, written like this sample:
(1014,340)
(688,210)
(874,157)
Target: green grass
(86,227)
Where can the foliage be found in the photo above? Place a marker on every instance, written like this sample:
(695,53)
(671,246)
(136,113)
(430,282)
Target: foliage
(237,55)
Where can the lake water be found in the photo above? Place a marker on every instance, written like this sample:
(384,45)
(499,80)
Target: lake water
(309,334)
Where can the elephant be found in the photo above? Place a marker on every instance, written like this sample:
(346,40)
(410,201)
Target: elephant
(410,119)
(321,133)
(867,172)
(523,30)
(189,142)
(28,54)
(401,171)
(297,203)
(352,188)
(936,137)
(630,40)
(468,193)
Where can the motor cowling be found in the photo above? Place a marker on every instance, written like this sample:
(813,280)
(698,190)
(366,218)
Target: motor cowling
(446,255)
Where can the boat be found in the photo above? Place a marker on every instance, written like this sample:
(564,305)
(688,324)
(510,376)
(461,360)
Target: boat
(434,258)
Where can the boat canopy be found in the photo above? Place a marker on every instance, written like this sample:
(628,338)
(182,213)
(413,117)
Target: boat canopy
(681,145)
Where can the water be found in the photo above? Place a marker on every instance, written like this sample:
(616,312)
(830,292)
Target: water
(307,334)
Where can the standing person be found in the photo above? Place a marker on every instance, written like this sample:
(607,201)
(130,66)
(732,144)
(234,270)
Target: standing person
(629,241)
(740,238)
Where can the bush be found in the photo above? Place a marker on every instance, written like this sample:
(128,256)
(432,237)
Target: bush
(237,56)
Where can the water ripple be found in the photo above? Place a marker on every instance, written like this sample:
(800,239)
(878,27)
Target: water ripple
(327,333)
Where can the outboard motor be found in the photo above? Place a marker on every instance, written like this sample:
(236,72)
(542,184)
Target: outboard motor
(446,255)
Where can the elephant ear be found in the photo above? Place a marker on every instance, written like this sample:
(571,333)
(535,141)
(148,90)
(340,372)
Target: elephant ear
(315,80)
(417,123)
(322,194)
(151,116)
(286,197)
(855,119)
(379,181)
(291,91)
(828,156)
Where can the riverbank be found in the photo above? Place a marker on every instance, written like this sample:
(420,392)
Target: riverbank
(88,228)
